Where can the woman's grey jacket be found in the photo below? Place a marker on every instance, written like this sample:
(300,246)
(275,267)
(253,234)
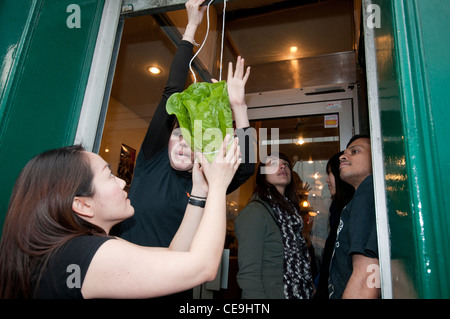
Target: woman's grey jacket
(260,252)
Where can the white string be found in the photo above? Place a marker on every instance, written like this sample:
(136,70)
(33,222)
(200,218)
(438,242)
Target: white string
(223,34)
(204,41)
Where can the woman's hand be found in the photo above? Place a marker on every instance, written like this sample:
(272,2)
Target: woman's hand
(194,12)
(236,83)
(236,92)
(220,172)
(199,183)
(195,16)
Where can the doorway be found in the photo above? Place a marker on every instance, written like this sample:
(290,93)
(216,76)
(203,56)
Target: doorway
(309,130)
(308,141)
(311,93)
(286,58)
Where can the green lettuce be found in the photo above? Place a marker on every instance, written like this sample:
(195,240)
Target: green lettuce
(204,113)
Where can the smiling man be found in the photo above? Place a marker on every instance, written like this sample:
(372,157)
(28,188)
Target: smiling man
(356,251)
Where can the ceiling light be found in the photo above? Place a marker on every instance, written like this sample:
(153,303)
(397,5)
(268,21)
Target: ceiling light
(293,49)
(154,70)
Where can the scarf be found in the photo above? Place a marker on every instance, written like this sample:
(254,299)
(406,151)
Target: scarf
(297,268)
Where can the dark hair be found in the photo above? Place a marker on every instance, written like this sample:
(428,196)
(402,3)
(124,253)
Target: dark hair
(356,137)
(40,217)
(344,191)
(174,123)
(263,188)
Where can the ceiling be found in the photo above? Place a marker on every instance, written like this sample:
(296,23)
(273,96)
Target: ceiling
(266,36)
(262,31)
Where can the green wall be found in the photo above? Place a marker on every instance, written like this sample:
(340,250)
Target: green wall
(44,71)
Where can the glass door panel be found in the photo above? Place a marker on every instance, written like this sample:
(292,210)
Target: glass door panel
(309,141)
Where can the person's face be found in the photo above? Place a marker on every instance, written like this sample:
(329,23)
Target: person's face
(282,173)
(180,154)
(356,162)
(331,181)
(110,204)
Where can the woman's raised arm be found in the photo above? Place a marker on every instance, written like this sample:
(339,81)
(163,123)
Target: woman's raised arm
(120,269)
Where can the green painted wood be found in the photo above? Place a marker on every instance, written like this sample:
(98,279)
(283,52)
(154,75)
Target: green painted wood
(44,71)
(413,65)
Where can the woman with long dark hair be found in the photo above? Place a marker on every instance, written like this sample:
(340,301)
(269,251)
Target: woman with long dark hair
(341,194)
(272,253)
(55,241)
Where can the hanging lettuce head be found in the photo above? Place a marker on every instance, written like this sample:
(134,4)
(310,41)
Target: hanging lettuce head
(204,113)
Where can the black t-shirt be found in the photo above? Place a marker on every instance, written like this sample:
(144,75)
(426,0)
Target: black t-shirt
(158,195)
(357,234)
(64,274)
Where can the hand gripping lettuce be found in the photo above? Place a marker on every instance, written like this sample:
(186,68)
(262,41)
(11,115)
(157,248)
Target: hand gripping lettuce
(204,113)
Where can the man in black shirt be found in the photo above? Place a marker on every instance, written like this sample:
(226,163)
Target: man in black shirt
(355,254)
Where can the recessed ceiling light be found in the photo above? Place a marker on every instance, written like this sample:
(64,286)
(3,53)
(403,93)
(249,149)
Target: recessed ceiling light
(154,70)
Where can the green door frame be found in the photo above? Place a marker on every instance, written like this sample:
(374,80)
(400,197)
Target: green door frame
(46,53)
(408,79)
